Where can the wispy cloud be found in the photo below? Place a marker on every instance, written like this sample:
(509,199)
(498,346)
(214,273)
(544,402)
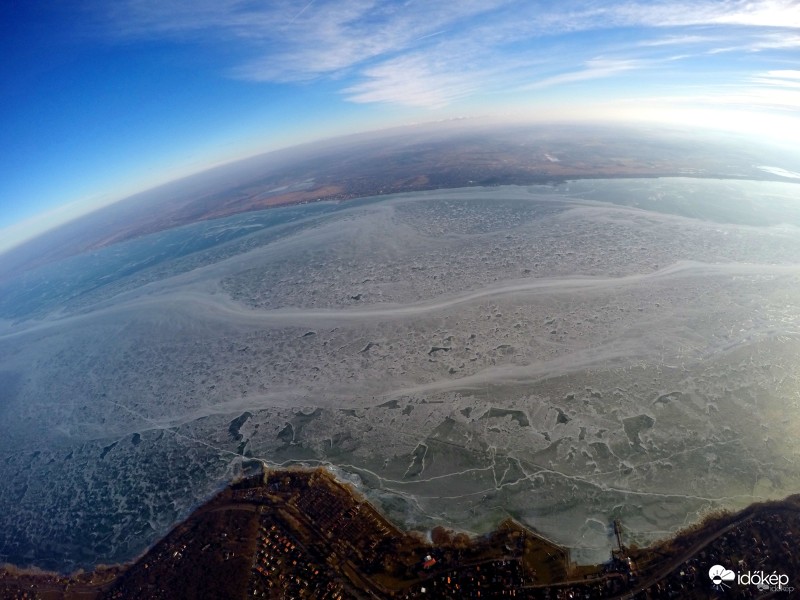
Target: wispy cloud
(290,41)
(785,74)
(766,13)
(769,91)
(786,79)
(594,69)
(412,81)
(677,40)
(423,53)
(755,98)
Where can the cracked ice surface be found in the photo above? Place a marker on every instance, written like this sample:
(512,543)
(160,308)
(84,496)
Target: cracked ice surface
(564,356)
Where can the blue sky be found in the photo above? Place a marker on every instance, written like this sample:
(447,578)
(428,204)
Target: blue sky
(100,99)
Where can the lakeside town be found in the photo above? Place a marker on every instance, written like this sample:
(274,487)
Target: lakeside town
(301,533)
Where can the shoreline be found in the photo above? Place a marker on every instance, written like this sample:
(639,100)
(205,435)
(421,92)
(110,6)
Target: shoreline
(292,495)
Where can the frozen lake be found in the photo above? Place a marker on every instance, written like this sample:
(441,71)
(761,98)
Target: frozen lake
(563,355)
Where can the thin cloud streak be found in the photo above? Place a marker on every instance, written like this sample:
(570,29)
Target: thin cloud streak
(302,10)
(677,40)
(595,69)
